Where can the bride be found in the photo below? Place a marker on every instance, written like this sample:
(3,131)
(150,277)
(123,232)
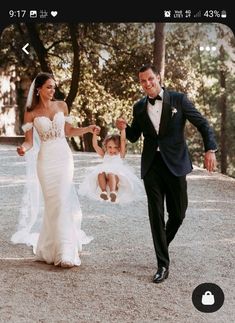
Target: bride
(60,238)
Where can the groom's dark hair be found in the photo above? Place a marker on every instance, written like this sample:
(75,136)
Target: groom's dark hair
(149,67)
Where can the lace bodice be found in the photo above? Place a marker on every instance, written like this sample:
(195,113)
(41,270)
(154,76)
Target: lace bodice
(49,129)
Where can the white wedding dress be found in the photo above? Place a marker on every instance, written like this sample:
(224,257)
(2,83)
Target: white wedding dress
(60,237)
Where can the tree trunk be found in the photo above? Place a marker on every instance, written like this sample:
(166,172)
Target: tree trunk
(223,109)
(76,65)
(159,49)
(41,52)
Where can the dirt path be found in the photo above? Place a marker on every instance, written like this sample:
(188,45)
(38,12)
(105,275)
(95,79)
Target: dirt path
(113,284)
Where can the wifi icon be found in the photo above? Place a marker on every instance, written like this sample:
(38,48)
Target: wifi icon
(198,14)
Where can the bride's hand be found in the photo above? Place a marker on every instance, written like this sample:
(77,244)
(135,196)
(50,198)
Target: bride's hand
(96,130)
(93,129)
(21,150)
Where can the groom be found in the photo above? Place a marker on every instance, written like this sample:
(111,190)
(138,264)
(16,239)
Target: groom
(160,116)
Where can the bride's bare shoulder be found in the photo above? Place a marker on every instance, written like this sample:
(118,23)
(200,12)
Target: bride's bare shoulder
(28,116)
(62,106)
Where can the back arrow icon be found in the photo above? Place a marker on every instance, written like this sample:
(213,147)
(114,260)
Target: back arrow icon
(24,48)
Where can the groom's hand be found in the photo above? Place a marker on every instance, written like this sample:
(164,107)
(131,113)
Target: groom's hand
(210,161)
(121,123)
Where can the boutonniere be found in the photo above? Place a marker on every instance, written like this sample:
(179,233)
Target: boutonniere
(173,111)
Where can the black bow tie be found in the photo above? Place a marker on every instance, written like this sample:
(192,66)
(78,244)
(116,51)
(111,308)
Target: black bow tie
(152,100)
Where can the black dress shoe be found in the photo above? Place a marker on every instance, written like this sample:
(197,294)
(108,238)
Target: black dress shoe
(161,274)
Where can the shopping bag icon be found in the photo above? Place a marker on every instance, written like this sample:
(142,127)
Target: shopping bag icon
(208,298)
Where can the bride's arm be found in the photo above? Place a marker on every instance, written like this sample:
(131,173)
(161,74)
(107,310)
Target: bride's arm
(28,140)
(71,131)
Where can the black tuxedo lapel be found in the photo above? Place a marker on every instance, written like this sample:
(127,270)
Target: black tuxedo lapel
(166,114)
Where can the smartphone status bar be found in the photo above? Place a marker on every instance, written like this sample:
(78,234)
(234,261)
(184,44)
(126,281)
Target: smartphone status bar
(188,14)
(56,14)
(169,14)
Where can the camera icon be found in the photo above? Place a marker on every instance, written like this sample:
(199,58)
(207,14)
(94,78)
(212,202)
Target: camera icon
(167,13)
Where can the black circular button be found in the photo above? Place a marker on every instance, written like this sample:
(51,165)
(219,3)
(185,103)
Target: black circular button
(208,297)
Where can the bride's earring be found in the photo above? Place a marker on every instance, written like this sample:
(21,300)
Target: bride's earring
(37,93)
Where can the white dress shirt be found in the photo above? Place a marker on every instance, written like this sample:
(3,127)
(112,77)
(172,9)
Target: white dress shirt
(155,112)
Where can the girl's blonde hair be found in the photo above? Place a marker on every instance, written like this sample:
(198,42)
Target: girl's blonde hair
(115,137)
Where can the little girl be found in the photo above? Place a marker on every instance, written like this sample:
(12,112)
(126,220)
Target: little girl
(112,180)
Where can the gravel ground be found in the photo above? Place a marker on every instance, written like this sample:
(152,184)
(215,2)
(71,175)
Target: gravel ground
(113,283)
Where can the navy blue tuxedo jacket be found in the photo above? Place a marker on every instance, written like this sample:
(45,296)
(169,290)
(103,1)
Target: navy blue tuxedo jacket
(170,139)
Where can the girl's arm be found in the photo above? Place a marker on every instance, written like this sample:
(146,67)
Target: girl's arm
(28,140)
(97,148)
(71,131)
(123,143)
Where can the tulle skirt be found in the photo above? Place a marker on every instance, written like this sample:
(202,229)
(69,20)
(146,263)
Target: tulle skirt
(130,187)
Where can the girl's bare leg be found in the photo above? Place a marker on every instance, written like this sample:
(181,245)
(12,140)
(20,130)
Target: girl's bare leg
(112,183)
(102,181)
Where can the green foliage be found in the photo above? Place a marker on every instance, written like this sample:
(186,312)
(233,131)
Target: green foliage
(110,55)
(199,75)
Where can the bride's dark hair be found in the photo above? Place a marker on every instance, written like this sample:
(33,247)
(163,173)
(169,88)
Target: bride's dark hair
(33,97)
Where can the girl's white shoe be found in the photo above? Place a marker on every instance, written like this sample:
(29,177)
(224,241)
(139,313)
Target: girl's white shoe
(104,195)
(113,196)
